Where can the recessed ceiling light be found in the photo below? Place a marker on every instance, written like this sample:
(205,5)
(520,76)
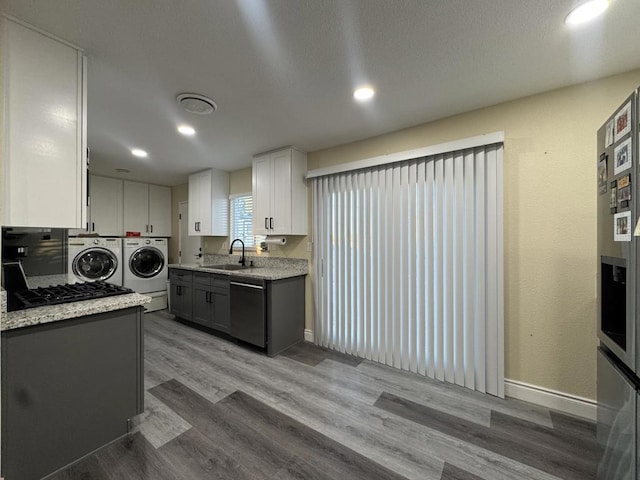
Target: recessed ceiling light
(186,130)
(139,153)
(196,103)
(363,94)
(586,11)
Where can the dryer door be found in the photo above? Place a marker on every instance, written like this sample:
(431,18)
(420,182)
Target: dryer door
(94,264)
(146,262)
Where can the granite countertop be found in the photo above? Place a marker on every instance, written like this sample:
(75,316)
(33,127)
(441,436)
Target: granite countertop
(64,311)
(265,269)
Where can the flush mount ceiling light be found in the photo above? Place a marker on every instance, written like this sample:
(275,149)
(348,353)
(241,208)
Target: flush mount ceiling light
(139,153)
(186,130)
(587,11)
(363,94)
(196,103)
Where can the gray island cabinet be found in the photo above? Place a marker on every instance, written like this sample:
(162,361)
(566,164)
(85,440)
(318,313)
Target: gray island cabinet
(249,306)
(68,388)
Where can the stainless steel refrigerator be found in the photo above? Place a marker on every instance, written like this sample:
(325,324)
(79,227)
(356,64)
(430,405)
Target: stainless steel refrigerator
(618,316)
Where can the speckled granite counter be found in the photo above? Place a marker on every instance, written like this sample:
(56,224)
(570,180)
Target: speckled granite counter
(266,268)
(54,313)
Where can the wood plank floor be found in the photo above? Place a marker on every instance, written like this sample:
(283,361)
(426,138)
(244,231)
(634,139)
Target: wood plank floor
(218,410)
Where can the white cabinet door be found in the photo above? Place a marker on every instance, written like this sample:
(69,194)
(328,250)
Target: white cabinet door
(204,191)
(280,218)
(194,203)
(280,193)
(44,130)
(106,206)
(209,203)
(261,186)
(136,207)
(159,211)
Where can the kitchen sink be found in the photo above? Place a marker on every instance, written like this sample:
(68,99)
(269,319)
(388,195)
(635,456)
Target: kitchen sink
(228,266)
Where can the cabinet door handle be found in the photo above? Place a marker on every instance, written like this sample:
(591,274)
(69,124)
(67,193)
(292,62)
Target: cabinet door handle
(87,226)
(270,223)
(151,228)
(93,226)
(266,227)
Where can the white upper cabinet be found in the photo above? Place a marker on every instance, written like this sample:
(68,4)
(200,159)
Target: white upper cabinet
(147,209)
(43,130)
(159,211)
(106,206)
(209,203)
(280,193)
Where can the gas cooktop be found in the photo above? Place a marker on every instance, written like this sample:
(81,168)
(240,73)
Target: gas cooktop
(71,292)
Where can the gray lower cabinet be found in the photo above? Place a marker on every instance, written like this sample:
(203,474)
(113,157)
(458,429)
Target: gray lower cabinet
(267,314)
(68,388)
(181,300)
(204,300)
(285,314)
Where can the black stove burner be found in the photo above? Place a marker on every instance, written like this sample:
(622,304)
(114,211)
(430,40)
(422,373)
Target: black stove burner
(71,292)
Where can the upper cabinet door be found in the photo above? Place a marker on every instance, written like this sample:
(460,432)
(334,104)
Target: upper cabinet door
(204,190)
(136,208)
(106,206)
(280,218)
(280,193)
(159,211)
(44,130)
(194,203)
(209,203)
(261,186)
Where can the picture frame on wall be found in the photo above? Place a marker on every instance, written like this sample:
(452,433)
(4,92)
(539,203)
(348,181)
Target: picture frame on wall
(622,122)
(602,174)
(608,137)
(622,227)
(622,157)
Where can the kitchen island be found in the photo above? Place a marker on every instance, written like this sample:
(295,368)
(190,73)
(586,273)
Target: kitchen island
(72,378)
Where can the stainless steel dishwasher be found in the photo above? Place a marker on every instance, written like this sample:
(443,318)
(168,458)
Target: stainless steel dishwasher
(248,310)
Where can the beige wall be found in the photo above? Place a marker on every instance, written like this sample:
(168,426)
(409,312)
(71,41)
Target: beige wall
(549,221)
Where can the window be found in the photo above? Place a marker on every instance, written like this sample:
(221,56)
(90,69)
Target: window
(242,221)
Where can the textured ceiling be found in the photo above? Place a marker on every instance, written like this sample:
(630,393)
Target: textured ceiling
(283,71)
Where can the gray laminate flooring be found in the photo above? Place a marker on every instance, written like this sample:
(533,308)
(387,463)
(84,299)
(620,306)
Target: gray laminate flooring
(217,410)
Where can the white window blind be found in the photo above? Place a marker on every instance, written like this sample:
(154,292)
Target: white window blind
(409,266)
(242,220)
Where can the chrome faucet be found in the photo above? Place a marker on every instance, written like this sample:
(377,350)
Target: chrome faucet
(242,260)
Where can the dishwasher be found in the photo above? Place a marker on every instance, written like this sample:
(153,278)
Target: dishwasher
(248,310)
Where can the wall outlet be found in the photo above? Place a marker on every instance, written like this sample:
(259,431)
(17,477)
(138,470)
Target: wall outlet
(309,246)
(225,245)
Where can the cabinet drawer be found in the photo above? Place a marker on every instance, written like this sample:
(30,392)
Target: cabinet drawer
(202,278)
(220,282)
(178,275)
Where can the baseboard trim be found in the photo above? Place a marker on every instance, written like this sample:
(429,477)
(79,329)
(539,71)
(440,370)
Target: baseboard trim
(308,335)
(564,402)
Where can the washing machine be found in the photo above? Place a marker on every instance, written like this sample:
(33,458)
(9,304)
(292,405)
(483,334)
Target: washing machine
(92,259)
(145,264)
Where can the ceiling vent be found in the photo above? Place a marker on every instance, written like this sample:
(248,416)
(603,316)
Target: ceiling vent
(195,103)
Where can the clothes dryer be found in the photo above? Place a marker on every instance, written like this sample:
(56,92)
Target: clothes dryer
(92,259)
(145,262)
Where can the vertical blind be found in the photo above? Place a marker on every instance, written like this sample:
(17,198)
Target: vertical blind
(408,266)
